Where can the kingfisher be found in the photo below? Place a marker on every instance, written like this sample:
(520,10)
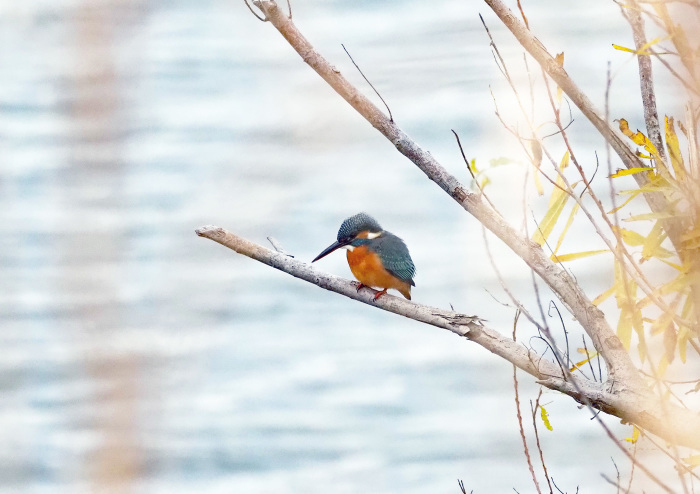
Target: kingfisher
(377,258)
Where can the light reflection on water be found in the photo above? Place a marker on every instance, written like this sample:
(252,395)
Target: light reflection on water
(137,354)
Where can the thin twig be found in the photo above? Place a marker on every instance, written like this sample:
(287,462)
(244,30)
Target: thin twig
(519,415)
(254,12)
(391,118)
(537,437)
(563,327)
(646,79)
(469,168)
(277,246)
(617,470)
(589,358)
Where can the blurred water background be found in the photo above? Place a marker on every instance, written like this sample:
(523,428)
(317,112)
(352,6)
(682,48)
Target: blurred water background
(138,357)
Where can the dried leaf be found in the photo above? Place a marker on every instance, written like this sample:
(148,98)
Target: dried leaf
(630,237)
(674,150)
(623,48)
(692,461)
(635,435)
(604,296)
(652,243)
(569,222)
(624,328)
(537,161)
(560,61)
(631,171)
(576,255)
(545,418)
(556,205)
(662,215)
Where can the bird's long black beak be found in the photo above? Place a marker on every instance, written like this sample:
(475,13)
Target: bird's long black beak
(335,245)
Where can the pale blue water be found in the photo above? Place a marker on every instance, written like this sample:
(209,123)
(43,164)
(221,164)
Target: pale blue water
(138,355)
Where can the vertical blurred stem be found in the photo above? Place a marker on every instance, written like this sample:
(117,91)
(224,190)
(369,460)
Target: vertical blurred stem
(96,115)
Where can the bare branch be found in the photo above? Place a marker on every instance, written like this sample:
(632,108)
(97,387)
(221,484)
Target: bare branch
(470,327)
(656,201)
(259,17)
(367,81)
(632,404)
(520,417)
(592,319)
(646,80)
(559,75)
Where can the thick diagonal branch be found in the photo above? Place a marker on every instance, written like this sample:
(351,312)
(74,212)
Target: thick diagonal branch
(591,318)
(637,406)
(462,325)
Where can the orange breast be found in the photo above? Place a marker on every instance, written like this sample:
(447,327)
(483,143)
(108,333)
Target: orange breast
(367,267)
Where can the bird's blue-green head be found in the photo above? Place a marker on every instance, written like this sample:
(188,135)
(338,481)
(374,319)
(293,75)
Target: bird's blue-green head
(355,225)
(354,231)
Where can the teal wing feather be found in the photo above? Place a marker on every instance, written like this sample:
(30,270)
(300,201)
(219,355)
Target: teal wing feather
(394,255)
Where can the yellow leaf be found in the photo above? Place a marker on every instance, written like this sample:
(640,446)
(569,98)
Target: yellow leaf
(556,205)
(692,461)
(648,44)
(643,50)
(631,171)
(639,138)
(635,435)
(673,265)
(536,149)
(577,365)
(503,160)
(625,129)
(638,325)
(632,196)
(630,237)
(564,161)
(624,329)
(538,184)
(603,296)
(625,289)
(545,418)
(652,243)
(622,48)
(656,186)
(569,221)
(662,215)
(576,255)
(674,150)
(560,61)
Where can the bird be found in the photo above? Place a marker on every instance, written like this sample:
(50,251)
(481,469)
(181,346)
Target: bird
(377,258)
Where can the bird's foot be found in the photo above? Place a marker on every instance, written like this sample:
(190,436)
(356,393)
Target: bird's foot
(379,294)
(359,286)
